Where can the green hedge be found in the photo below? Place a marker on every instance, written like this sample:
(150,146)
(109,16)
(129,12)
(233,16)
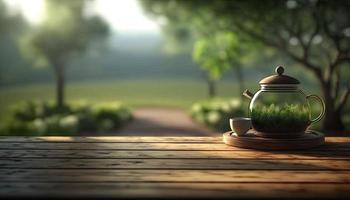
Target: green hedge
(42,118)
(216,113)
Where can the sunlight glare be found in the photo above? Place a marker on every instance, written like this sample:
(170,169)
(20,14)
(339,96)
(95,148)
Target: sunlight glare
(122,16)
(125,16)
(32,10)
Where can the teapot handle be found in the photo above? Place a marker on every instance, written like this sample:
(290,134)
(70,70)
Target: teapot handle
(320,116)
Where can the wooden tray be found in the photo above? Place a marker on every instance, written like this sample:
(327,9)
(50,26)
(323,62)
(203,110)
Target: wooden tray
(250,141)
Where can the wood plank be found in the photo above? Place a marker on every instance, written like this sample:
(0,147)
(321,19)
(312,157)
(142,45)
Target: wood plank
(116,146)
(130,139)
(244,164)
(78,154)
(174,190)
(111,139)
(149,146)
(209,176)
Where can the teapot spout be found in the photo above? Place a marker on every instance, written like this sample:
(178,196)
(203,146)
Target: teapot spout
(248,94)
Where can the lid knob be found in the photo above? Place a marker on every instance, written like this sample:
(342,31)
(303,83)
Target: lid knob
(279,70)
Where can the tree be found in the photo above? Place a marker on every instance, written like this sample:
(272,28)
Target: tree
(12,25)
(217,54)
(313,33)
(9,21)
(5,18)
(66,31)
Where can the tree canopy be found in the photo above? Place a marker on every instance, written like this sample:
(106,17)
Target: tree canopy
(313,33)
(9,21)
(66,30)
(217,53)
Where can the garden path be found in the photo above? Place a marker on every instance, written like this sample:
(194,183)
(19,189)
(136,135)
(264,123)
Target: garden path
(154,121)
(160,121)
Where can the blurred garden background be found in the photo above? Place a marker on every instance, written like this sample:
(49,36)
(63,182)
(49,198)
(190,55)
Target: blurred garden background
(175,67)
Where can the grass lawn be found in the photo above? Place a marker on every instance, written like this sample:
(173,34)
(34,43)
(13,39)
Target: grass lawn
(135,93)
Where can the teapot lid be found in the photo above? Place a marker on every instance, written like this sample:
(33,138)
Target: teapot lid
(279,78)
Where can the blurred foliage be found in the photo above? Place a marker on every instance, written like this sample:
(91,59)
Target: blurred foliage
(42,118)
(315,34)
(12,24)
(217,112)
(217,53)
(178,34)
(261,22)
(184,23)
(57,39)
(9,21)
(125,57)
(179,93)
(179,39)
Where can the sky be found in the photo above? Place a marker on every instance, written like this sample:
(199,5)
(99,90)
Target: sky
(122,15)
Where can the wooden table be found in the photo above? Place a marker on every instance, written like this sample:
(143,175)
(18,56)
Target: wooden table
(166,167)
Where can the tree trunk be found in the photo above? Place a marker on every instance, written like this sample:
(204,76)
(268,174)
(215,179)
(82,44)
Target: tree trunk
(332,120)
(59,74)
(211,88)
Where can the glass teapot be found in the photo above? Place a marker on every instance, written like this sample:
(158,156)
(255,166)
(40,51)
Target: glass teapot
(280,108)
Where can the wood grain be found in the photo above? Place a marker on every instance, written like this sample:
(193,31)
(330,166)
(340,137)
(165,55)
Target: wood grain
(130,139)
(193,176)
(112,139)
(148,146)
(168,167)
(159,154)
(247,164)
(175,190)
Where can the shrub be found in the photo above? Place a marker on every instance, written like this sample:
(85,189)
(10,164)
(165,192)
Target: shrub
(42,118)
(30,110)
(110,116)
(17,127)
(216,113)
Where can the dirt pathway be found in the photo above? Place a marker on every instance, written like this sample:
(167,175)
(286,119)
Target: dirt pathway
(163,122)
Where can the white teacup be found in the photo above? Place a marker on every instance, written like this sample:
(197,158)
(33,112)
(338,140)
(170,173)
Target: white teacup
(240,125)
